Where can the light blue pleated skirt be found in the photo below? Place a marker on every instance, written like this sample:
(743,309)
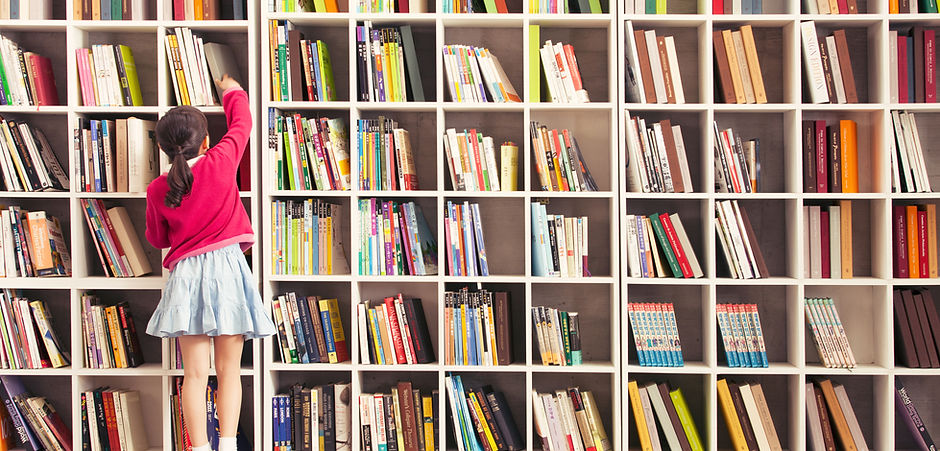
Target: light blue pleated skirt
(211,294)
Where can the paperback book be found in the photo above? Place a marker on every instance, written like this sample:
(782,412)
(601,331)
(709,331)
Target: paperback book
(394,331)
(559,244)
(569,418)
(908,164)
(386,161)
(309,329)
(477,328)
(558,335)
(830,418)
(395,239)
(307,238)
(739,243)
(32,244)
(828,66)
(481,417)
(655,334)
(656,157)
(832,343)
(738,68)
(654,402)
(742,335)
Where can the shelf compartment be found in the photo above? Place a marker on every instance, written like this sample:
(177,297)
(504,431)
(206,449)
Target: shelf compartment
(336,37)
(773,53)
(871,154)
(603,387)
(696,139)
(341,291)
(151,390)
(864,43)
(769,223)
(85,259)
(50,43)
(601,256)
(776,306)
(689,38)
(693,321)
(422,133)
(872,402)
(234,40)
(595,307)
(696,390)
(502,126)
(696,221)
(773,161)
(870,340)
(516,294)
(592,130)
(431,304)
(143,44)
(781,393)
(502,218)
(142,304)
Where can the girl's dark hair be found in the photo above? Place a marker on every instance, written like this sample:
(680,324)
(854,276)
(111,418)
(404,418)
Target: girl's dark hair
(180,134)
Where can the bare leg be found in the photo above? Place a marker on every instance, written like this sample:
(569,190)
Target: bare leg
(228,354)
(195,349)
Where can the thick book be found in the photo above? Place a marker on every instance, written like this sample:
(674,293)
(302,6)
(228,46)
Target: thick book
(926,329)
(908,413)
(221,61)
(503,323)
(837,415)
(424,350)
(845,66)
(904,341)
(732,420)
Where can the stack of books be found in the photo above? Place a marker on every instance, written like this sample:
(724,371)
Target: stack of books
(309,330)
(562,75)
(651,68)
(26,77)
(386,161)
(406,418)
(657,246)
(472,72)
(202,9)
(113,419)
(559,161)
(917,328)
(109,335)
(117,155)
(830,157)
(27,10)
(559,244)
(477,328)
(827,248)
(395,332)
(737,167)
(481,417)
(471,162)
(27,339)
(301,69)
(107,76)
(830,417)
(828,66)
(673,413)
(832,343)
(739,74)
(913,62)
(655,333)
(908,166)
(915,241)
(564,7)
(470,6)
(387,67)
(463,234)
(738,242)
(395,239)
(735,6)
(569,418)
(747,415)
(33,422)
(742,335)
(313,418)
(311,153)
(656,157)
(194,65)
(32,245)
(119,248)
(181,440)
(559,336)
(27,160)
(907,7)
(306,238)
(907,412)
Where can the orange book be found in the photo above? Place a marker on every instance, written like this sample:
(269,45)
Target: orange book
(197,10)
(912,250)
(39,246)
(893,7)
(839,422)
(845,217)
(849,139)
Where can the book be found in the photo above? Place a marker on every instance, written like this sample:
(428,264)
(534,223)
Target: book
(385,155)
(563,77)
(655,334)
(396,239)
(832,343)
(739,241)
(115,155)
(572,416)
(109,334)
(307,238)
(463,231)
(474,74)
(742,335)
(559,336)
(396,332)
(472,161)
(119,249)
(654,72)
(302,69)
(312,329)
(658,246)
(388,68)
(908,412)
(560,244)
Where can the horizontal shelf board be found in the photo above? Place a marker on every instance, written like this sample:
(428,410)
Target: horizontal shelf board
(914,196)
(310,278)
(36,194)
(396,106)
(424,367)
(143,26)
(850,20)
(417,279)
(486,194)
(512,368)
(853,281)
(754,108)
(210,25)
(32,283)
(65,371)
(774,368)
(309,193)
(573,280)
(482,20)
(755,196)
(904,371)
(33,25)
(590,106)
(571,20)
(485,279)
(43,109)
(93,195)
(688,368)
(602,368)
(727,281)
(116,110)
(311,367)
(862,369)
(915,17)
(666,196)
(120,283)
(627,281)
(304,18)
(844,196)
(916,107)
(865,107)
(758,20)
(641,21)
(683,107)
(147,369)
(914,281)
(483,107)
(394,18)
(306,105)
(244,371)
(572,194)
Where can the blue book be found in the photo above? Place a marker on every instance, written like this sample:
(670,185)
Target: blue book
(313,353)
(481,246)
(275,420)
(318,83)
(380,356)
(327,330)
(96,154)
(538,255)
(458,335)
(15,9)
(105,13)
(469,246)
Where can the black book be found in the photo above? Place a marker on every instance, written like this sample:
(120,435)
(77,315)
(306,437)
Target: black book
(370,334)
(122,76)
(28,163)
(554,245)
(419,417)
(307,324)
(504,420)
(362,59)
(390,430)
(296,416)
(490,419)
(835,159)
(424,349)
(24,435)
(329,417)
(30,89)
(58,176)
(101,422)
(306,406)
(232,9)
(86,434)
(588,178)
(299,341)
(413,71)
(135,357)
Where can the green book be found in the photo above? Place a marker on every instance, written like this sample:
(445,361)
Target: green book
(288,157)
(650,6)
(130,68)
(596,7)
(490,6)
(326,72)
(535,66)
(116,10)
(6,84)
(928,6)
(566,339)
(685,417)
(282,69)
(664,245)
(319,5)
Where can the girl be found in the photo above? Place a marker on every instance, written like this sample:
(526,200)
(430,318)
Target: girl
(195,210)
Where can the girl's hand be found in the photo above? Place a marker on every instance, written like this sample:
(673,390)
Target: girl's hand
(227,82)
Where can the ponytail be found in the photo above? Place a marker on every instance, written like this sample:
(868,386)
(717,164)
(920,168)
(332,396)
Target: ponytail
(180,179)
(180,134)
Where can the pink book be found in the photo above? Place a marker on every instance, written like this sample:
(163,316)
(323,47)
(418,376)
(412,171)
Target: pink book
(900,243)
(923,259)
(449,245)
(843,7)
(930,65)
(824,243)
(84,77)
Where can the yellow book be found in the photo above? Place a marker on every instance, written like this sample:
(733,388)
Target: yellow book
(735,69)
(272,53)
(336,326)
(428,411)
(197,10)
(509,166)
(753,64)
(486,427)
(380,356)
(399,429)
(639,418)
(601,440)
(731,417)
(463,332)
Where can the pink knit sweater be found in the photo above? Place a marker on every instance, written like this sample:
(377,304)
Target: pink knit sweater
(212,215)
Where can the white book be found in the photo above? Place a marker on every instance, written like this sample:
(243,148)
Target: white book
(656,398)
(660,148)
(658,264)
(686,245)
(732,265)
(737,238)
(752,260)
(632,66)
(846,404)
(489,75)
(565,71)
(836,69)
(449,73)
(911,152)
(806,245)
(190,10)
(114,80)
(902,143)
(822,7)
(634,180)
(206,76)
(735,6)
(659,83)
(571,424)
(835,242)
(194,76)
(187,67)
(556,89)
(895,171)
(315,409)
(92,420)
(489,151)
(540,422)
(840,330)
(812,62)
(556,433)
(893,73)
(724,232)
(911,128)
(633,251)
(674,69)
(751,407)
(120,419)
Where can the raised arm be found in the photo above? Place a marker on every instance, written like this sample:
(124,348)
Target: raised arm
(238,121)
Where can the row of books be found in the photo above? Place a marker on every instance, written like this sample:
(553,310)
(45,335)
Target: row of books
(747,416)
(915,241)
(655,333)
(915,320)
(737,166)
(110,10)
(830,417)
(296,6)
(738,242)
(657,246)
(112,419)
(309,329)
(317,418)
(107,76)
(307,238)
(463,233)
(474,6)
(566,7)
(32,421)
(832,343)
(658,401)
(27,339)
(27,10)
(386,160)
(569,419)
(383,6)
(908,166)
(395,239)
(405,419)
(387,65)
(109,334)
(26,78)
(310,153)
(119,249)
(656,157)
(472,164)
(559,244)
(908,7)
(828,66)
(180,428)
(478,328)
(32,244)
(394,331)
(559,336)
(194,65)
(742,335)
(830,156)
(301,69)
(202,9)
(115,155)
(27,160)
(481,417)
(562,74)
(737,7)
(739,74)
(827,249)
(472,72)
(651,68)
(558,159)
(913,57)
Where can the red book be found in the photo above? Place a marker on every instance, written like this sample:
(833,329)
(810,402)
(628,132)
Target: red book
(403,6)
(824,243)
(573,65)
(58,427)
(922,243)
(900,243)
(179,10)
(46,92)
(476,158)
(501,7)
(676,246)
(103,216)
(843,7)
(392,321)
(718,6)
(408,340)
(930,65)
(902,70)
(822,176)
(919,73)
(107,396)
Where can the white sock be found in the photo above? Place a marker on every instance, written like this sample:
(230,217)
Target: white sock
(226,444)
(205,447)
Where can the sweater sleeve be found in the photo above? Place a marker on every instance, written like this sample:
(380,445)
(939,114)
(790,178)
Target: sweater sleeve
(157,227)
(238,120)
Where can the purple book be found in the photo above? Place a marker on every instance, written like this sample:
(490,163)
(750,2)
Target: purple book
(908,412)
